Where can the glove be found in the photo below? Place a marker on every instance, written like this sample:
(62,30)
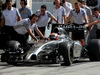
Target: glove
(48,25)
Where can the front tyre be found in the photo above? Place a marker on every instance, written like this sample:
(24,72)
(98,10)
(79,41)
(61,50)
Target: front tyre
(65,51)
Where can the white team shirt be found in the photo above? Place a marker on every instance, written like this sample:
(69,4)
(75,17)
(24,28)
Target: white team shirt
(10,16)
(78,18)
(22,25)
(59,13)
(98,18)
(43,20)
(68,8)
(88,11)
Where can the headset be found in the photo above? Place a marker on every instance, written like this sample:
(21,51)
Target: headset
(25,2)
(63,1)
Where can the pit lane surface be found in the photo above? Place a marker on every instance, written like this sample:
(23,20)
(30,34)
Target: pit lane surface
(82,67)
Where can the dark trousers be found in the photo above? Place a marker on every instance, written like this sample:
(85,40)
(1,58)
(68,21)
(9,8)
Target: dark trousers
(22,39)
(42,29)
(53,27)
(78,35)
(98,34)
(9,32)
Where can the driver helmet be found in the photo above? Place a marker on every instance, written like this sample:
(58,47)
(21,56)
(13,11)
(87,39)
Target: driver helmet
(54,36)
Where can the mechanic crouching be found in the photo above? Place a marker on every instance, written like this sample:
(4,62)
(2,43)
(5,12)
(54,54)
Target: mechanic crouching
(25,26)
(80,18)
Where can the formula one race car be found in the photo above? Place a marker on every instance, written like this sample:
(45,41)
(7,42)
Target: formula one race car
(60,49)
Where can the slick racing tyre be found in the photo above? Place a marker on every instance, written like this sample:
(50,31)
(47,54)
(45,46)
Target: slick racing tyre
(13,45)
(3,57)
(94,50)
(65,51)
(11,62)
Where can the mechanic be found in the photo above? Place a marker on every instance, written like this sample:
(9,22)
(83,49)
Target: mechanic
(80,18)
(67,6)
(9,17)
(97,17)
(88,11)
(59,12)
(44,16)
(25,26)
(96,22)
(25,11)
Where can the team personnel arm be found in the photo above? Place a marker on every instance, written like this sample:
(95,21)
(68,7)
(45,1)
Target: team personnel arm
(68,19)
(89,13)
(18,15)
(40,34)
(32,35)
(19,18)
(2,22)
(85,16)
(86,20)
(64,15)
(91,20)
(92,23)
(64,19)
(53,18)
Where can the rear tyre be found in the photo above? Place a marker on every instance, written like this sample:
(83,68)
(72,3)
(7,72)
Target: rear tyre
(9,62)
(12,46)
(94,50)
(3,57)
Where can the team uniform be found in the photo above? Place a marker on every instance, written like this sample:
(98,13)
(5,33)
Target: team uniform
(68,8)
(98,27)
(10,17)
(43,20)
(25,13)
(88,11)
(59,13)
(21,31)
(78,20)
